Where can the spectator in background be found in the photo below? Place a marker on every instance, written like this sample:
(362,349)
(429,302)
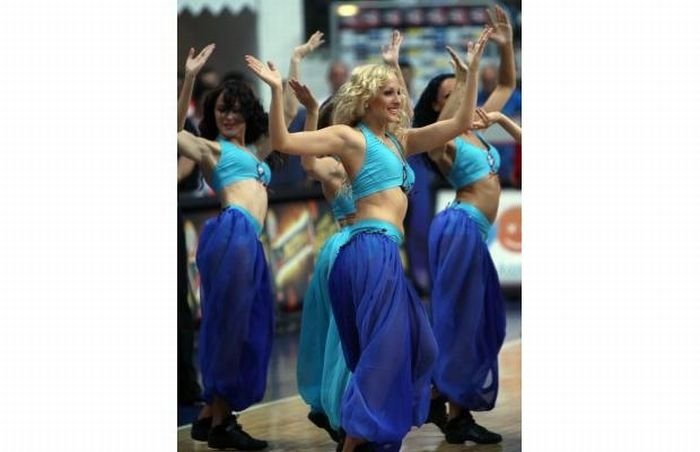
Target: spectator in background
(206,80)
(338,73)
(489,81)
(188,390)
(188,179)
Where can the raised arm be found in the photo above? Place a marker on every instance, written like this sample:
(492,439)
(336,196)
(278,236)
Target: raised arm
(192,67)
(424,138)
(326,170)
(461,69)
(336,139)
(193,147)
(503,36)
(291,106)
(303,94)
(486,119)
(455,97)
(390,56)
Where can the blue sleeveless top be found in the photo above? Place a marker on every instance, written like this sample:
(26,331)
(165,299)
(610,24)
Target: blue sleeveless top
(237,164)
(382,168)
(472,163)
(342,205)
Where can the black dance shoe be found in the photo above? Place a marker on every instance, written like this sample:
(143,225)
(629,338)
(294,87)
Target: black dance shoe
(321,421)
(230,434)
(464,428)
(200,429)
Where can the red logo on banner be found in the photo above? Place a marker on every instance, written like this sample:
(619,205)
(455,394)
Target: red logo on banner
(509,231)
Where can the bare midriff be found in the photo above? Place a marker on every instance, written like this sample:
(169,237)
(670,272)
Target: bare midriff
(388,205)
(483,194)
(249,194)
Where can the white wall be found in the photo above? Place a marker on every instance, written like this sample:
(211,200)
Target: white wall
(280,29)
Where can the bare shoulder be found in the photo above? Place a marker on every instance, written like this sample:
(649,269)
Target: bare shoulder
(343,139)
(210,147)
(351,136)
(195,147)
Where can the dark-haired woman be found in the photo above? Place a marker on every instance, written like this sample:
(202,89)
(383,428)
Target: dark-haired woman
(467,307)
(236,332)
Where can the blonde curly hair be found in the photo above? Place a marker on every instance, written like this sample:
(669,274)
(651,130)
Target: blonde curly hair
(354,96)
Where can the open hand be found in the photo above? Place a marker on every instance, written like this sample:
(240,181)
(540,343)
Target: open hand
(268,73)
(485,119)
(390,51)
(195,63)
(460,66)
(303,94)
(309,46)
(474,51)
(503,32)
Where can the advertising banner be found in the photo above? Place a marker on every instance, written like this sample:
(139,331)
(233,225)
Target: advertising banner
(504,238)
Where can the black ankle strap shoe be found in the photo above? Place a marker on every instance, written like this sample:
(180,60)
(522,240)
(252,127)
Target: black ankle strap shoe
(464,428)
(230,434)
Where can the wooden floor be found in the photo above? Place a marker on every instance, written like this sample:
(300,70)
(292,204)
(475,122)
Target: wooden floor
(284,425)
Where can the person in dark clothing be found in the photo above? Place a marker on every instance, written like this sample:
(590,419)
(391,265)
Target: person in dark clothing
(188,389)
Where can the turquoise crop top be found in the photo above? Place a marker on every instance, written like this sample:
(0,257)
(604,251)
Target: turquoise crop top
(342,205)
(472,163)
(237,164)
(382,168)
